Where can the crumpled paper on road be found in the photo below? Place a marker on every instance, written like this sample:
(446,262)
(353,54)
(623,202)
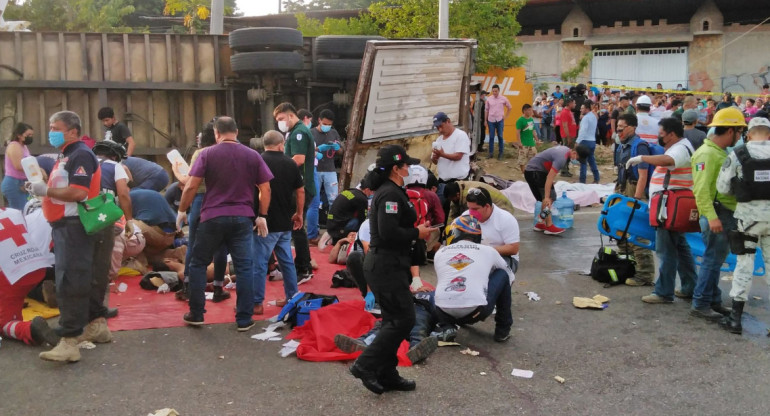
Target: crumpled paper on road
(164,412)
(597,302)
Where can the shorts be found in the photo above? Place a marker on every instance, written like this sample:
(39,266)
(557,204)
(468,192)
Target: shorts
(525,154)
(536,182)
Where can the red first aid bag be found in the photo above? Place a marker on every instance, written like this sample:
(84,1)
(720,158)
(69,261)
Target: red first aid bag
(674,209)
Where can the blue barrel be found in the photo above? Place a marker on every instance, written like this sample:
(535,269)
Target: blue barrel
(563,214)
(615,216)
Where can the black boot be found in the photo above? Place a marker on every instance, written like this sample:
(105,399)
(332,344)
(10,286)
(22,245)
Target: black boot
(220,294)
(732,323)
(183,294)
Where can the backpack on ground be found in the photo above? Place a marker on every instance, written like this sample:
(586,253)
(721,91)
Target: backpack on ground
(611,268)
(298,309)
(420,205)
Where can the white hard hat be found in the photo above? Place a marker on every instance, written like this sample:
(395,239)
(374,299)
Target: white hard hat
(759,122)
(644,100)
(417,175)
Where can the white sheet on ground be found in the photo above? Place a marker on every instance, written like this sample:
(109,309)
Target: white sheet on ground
(582,194)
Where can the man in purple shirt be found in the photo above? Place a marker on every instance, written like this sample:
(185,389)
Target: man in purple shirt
(497,109)
(232,171)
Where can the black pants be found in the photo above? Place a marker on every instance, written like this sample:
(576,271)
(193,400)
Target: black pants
(536,181)
(301,244)
(82,274)
(388,276)
(355,265)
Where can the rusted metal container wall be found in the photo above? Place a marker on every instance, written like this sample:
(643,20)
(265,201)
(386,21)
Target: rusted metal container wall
(164,86)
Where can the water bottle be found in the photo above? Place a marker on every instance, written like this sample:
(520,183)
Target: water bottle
(538,207)
(566,208)
(59,179)
(175,158)
(32,169)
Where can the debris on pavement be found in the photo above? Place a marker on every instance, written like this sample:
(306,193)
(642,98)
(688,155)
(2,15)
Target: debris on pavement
(522,373)
(289,348)
(533,296)
(560,379)
(482,373)
(164,412)
(266,335)
(727,278)
(597,302)
(448,344)
(757,297)
(87,345)
(469,351)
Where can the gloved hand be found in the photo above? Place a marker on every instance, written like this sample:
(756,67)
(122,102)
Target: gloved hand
(261,226)
(181,219)
(416,283)
(369,299)
(319,155)
(633,161)
(325,147)
(37,188)
(335,146)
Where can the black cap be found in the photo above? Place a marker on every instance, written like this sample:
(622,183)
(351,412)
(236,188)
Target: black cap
(440,118)
(583,152)
(392,155)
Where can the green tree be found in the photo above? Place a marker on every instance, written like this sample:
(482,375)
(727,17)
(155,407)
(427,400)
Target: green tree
(304,5)
(492,23)
(362,25)
(195,12)
(72,15)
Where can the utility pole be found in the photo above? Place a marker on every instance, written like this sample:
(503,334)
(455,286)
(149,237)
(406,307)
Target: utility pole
(443,19)
(216,26)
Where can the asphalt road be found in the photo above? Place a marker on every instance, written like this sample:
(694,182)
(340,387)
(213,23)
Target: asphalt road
(629,359)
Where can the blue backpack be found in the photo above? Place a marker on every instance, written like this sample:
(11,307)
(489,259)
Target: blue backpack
(655,149)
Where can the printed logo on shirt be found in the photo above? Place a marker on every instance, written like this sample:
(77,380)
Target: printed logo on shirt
(299,136)
(391,207)
(762,176)
(81,171)
(456,285)
(700,167)
(460,261)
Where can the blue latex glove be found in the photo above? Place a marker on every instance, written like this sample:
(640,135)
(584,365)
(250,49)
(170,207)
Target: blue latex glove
(325,147)
(369,301)
(319,155)
(336,146)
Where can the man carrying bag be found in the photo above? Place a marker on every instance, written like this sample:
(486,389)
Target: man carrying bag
(670,246)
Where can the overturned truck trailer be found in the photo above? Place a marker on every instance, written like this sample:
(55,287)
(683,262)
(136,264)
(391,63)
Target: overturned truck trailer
(401,86)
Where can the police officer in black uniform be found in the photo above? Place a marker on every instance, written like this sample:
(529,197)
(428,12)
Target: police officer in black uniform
(386,268)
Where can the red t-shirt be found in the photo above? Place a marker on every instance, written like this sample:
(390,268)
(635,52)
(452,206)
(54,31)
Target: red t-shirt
(568,121)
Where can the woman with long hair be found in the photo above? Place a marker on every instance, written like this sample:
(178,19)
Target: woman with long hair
(14,177)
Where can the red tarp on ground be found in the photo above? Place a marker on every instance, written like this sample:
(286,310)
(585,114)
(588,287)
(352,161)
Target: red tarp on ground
(317,335)
(144,309)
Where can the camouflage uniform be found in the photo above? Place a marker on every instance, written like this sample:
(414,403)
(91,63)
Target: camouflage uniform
(752,216)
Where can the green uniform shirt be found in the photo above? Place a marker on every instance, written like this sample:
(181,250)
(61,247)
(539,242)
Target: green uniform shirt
(706,163)
(526,127)
(300,142)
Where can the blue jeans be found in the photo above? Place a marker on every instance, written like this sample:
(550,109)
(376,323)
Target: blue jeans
(674,256)
(591,144)
(12,189)
(329,182)
(312,210)
(236,233)
(280,243)
(546,132)
(193,220)
(498,295)
(496,126)
(707,290)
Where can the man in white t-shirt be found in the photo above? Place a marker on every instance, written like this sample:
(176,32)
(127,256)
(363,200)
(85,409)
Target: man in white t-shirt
(451,151)
(647,127)
(670,246)
(471,280)
(499,228)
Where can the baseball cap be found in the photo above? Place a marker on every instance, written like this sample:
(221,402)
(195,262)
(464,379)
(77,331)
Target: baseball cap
(417,175)
(759,122)
(394,154)
(439,118)
(689,117)
(583,152)
(605,83)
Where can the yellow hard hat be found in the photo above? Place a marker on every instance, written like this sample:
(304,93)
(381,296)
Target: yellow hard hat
(729,117)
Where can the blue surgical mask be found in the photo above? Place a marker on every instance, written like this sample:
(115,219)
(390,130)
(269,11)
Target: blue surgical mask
(308,124)
(325,128)
(56,138)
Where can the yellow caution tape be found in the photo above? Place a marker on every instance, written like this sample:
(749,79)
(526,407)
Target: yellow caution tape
(627,88)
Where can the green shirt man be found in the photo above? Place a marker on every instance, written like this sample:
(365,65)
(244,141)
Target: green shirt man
(300,142)
(526,128)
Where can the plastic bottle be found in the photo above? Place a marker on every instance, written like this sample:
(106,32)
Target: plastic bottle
(538,207)
(175,158)
(59,179)
(32,169)
(566,209)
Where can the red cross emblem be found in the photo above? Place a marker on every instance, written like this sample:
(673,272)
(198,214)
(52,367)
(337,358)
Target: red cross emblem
(12,231)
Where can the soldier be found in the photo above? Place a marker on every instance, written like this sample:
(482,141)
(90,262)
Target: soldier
(746,174)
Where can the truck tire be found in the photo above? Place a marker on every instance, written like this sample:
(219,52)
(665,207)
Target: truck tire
(253,39)
(252,62)
(347,69)
(347,46)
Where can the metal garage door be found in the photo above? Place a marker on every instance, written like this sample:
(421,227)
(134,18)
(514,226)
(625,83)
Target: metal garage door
(640,67)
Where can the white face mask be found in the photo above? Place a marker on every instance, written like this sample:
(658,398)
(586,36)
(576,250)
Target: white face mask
(283,126)
(616,138)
